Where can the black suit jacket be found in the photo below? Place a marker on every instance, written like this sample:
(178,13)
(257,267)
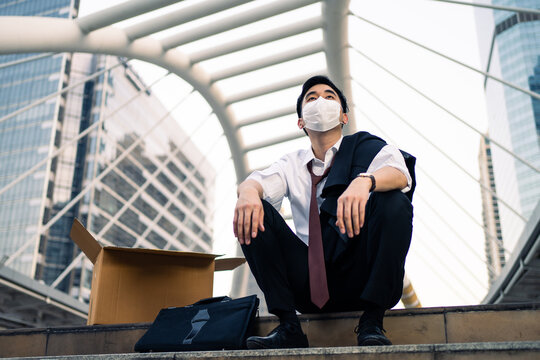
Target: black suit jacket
(354,157)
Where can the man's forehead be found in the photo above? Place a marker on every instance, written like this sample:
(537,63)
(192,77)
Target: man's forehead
(319,88)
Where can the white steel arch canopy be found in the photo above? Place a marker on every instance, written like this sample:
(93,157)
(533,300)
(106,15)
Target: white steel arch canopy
(101,33)
(97,33)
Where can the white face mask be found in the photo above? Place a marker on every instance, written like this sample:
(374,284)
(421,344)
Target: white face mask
(321,114)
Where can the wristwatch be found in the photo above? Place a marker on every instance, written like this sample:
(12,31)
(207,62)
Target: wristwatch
(369,175)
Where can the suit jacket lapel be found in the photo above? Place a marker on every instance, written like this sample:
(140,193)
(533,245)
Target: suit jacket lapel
(338,176)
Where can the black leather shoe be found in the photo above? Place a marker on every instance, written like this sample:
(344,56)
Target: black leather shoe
(284,336)
(371,334)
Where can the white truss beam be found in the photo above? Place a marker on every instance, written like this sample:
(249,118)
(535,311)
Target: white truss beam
(442,152)
(90,185)
(269,115)
(270,88)
(257,39)
(425,96)
(123,11)
(180,16)
(500,80)
(55,94)
(19,34)
(22,61)
(267,61)
(275,141)
(94,34)
(234,21)
(336,39)
(441,188)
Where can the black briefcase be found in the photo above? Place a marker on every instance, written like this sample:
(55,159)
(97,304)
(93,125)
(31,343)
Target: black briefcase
(209,324)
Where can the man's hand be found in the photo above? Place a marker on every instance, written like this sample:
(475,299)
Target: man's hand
(249,212)
(351,206)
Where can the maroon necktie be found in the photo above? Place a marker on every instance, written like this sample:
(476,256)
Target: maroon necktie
(317,269)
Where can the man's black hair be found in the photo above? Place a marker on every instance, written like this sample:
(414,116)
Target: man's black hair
(316,80)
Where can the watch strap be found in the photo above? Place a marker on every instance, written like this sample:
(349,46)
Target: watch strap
(373,182)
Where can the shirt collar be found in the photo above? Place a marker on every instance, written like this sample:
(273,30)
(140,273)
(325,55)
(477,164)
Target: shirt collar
(308,156)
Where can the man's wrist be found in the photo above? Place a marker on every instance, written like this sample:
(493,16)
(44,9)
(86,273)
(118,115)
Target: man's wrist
(248,191)
(372,178)
(248,186)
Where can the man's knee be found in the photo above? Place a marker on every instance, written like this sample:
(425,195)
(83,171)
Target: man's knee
(271,215)
(267,207)
(391,205)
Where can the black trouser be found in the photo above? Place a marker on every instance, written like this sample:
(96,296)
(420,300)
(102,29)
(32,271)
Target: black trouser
(369,271)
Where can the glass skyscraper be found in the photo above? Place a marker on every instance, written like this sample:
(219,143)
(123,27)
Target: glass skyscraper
(510,49)
(137,190)
(27,138)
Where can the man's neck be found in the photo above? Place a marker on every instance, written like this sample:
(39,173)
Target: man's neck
(322,141)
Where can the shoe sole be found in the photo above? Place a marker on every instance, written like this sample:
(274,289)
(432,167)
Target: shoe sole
(374,342)
(256,345)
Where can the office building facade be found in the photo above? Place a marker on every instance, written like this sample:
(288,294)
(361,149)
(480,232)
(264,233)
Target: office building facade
(510,49)
(26,138)
(131,183)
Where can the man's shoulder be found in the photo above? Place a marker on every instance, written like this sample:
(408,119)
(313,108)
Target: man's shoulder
(295,156)
(361,136)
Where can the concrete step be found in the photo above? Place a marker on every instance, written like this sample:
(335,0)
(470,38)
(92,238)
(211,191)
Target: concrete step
(508,324)
(527,350)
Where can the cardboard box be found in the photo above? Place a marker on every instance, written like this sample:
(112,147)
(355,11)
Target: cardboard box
(132,285)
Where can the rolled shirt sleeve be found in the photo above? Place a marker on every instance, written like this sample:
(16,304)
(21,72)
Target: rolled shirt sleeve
(391,156)
(273,182)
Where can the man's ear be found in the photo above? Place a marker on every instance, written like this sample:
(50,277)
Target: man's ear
(345,119)
(301,123)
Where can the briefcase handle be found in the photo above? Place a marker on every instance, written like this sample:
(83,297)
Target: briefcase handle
(212,300)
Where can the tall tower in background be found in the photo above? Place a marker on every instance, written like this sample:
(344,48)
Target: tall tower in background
(494,248)
(158,195)
(29,137)
(510,49)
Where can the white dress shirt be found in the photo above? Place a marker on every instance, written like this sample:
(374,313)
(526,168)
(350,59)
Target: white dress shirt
(290,177)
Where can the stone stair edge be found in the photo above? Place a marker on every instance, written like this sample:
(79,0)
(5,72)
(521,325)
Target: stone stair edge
(271,318)
(320,351)
(422,311)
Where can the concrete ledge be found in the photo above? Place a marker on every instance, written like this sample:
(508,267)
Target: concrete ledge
(490,350)
(514,322)
(36,304)
(490,323)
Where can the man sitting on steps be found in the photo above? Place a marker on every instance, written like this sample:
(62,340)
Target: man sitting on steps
(351,206)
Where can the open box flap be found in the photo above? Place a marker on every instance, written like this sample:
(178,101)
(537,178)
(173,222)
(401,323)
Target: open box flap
(92,248)
(184,254)
(85,241)
(229,263)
